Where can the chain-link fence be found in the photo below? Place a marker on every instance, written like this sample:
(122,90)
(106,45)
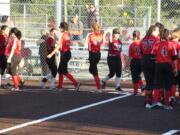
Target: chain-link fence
(128,15)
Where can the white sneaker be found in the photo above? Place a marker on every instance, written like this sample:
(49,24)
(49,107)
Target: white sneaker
(156,104)
(148,106)
(168,107)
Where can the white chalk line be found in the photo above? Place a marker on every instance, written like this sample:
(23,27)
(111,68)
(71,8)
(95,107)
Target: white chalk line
(171,132)
(62,114)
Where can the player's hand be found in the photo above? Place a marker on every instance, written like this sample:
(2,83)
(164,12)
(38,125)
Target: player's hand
(8,60)
(49,56)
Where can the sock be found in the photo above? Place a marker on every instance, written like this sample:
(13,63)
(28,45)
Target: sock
(7,80)
(49,76)
(60,82)
(140,83)
(173,90)
(97,80)
(106,78)
(160,94)
(53,82)
(19,78)
(135,86)
(167,96)
(148,96)
(15,81)
(71,78)
(117,82)
(156,95)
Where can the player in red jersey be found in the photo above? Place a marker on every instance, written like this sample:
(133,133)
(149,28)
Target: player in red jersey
(94,41)
(50,45)
(135,65)
(64,48)
(14,57)
(114,58)
(165,53)
(161,28)
(148,63)
(178,68)
(174,41)
(4,32)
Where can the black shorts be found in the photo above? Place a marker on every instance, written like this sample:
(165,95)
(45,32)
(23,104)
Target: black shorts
(163,76)
(136,70)
(12,67)
(3,64)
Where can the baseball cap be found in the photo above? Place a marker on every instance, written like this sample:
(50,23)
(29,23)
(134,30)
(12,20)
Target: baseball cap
(116,31)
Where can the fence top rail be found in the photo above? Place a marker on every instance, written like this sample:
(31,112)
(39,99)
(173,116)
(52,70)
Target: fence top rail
(118,6)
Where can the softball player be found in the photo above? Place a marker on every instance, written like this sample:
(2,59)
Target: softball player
(4,32)
(148,63)
(64,48)
(135,65)
(14,57)
(50,45)
(114,59)
(174,40)
(178,68)
(165,53)
(94,41)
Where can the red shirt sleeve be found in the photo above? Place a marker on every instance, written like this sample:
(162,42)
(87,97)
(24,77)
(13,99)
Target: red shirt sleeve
(131,50)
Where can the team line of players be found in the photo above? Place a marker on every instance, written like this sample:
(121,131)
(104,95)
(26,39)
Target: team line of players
(157,55)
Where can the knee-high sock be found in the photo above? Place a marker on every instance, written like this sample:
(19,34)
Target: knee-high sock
(140,83)
(148,96)
(7,78)
(15,81)
(19,78)
(117,82)
(97,80)
(52,85)
(49,76)
(135,86)
(60,82)
(167,96)
(173,90)
(160,94)
(71,78)
(106,78)
(156,95)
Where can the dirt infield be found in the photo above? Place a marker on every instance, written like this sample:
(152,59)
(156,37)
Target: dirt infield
(124,116)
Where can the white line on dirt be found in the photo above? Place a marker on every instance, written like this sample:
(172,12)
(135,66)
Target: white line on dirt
(171,132)
(63,113)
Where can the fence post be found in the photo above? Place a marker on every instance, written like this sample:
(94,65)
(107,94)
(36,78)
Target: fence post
(158,10)
(24,19)
(58,12)
(96,3)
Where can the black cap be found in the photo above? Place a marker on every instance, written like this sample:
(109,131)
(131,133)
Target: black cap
(116,31)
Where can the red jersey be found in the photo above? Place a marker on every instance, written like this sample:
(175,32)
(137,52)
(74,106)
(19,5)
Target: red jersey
(65,42)
(148,43)
(3,44)
(95,41)
(17,49)
(115,48)
(134,50)
(178,60)
(164,51)
(50,44)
